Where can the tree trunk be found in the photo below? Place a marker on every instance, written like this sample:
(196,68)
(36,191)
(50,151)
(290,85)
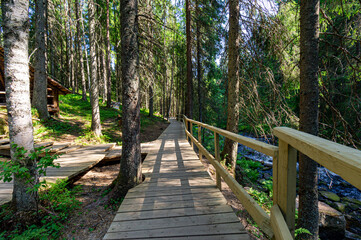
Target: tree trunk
(85,50)
(94,88)
(309,98)
(109,82)
(40,100)
(131,171)
(199,67)
(79,49)
(189,98)
(16,70)
(230,147)
(70,50)
(151,100)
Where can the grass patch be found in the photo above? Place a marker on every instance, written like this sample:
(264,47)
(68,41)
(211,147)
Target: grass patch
(75,123)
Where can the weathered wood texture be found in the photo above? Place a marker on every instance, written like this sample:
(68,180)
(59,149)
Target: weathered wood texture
(178,199)
(71,165)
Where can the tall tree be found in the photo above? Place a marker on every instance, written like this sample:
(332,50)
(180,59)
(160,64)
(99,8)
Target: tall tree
(15,17)
(199,67)
(131,171)
(309,98)
(189,98)
(79,49)
(230,147)
(94,87)
(108,69)
(40,76)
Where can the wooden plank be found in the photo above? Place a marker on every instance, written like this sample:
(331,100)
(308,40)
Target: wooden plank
(279,225)
(259,146)
(58,147)
(182,221)
(174,189)
(342,160)
(69,149)
(217,153)
(174,198)
(4,141)
(205,230)
(172,205)
(286,187)
(176,212)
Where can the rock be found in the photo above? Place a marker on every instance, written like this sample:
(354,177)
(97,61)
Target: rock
(351,236)
(330,195)
(332,223)
(351,200)
(353,206)
(340,207)
(267,176)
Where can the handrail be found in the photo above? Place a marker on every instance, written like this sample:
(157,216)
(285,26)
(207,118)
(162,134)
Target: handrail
(257,213)
(340,159)
(344,161)
(259,146)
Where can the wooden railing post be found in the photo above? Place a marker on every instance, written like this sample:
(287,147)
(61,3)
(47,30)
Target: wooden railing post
(200,141)
(286,182)
(217,156)
(191,131)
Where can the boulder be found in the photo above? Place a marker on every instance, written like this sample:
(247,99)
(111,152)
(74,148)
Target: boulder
(352,236)
(330,195)
(340,207)
(352,200)
(332,223)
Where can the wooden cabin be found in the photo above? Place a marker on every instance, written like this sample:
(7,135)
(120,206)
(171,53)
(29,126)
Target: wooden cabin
(54,88)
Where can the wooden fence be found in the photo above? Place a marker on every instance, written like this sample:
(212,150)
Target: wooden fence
(280,224)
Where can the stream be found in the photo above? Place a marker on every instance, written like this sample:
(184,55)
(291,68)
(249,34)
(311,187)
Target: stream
(327,180)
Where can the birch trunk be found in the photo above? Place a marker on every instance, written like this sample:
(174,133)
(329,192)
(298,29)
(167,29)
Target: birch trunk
(16,70)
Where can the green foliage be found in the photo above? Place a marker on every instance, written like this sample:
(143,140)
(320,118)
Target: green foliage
(301,231)
(19,169)
(59,201)
(250,168)
(261,198)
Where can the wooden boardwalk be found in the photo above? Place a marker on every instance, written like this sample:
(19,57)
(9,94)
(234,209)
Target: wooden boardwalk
(178,199)
(72,164)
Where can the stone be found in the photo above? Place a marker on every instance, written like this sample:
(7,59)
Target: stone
(332,223)
(351,200)
(267,176)
(340,207)
(353,206)
(351,236)
(330,195)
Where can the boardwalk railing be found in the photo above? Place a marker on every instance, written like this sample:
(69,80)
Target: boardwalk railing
(280,224)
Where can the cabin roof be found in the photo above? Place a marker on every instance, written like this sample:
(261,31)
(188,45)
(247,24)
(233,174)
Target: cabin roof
(53,84)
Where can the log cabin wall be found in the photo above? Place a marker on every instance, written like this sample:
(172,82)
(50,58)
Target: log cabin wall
(54,88)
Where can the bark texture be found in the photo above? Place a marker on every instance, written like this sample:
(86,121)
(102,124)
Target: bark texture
(16,69)
(79,49)
(189,98)
(109,89)
(230,147)
(131,171)
(94,88)
(40,100)
(309,95)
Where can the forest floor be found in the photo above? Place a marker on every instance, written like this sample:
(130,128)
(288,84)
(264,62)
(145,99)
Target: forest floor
(74,123)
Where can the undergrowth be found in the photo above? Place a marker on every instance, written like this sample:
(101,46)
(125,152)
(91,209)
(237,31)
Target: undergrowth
(57,203)
(75,120)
